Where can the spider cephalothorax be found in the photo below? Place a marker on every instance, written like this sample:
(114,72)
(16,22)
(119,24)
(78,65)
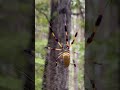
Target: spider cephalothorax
(65,48)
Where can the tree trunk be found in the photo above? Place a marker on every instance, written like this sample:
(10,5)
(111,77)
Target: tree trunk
(76,74)
(56,77)
(102,55)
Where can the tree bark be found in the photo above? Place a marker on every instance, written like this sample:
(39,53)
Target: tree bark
(56,77)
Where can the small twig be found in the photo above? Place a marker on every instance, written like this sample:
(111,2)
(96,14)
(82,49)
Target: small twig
(41,12)
(80,9)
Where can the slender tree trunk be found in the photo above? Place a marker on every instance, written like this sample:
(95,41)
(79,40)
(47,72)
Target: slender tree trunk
(56,77)
(76,75)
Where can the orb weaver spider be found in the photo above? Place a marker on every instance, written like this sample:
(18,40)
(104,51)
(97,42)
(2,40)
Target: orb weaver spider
(65,48)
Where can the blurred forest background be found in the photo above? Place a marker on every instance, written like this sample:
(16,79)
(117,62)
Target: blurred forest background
(98,69)
(16,44)
(42,17)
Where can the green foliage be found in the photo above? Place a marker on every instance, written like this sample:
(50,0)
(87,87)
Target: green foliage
(41,22)
(39,68)
(74,4)
(39,62)
(42,6)
(40,47)
(82,23)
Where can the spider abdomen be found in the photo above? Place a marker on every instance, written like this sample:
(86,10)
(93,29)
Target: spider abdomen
(66,59)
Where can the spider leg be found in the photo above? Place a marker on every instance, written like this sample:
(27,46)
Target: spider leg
(66,33)
(60,53)
(97,23)
(74,38)
(57,49)
(55,36)
(73,63)
(58,58)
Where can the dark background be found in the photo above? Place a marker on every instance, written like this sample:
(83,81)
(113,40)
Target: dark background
(17,45)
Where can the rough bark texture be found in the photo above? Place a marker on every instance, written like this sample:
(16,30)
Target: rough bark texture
(105,47)
(56,77)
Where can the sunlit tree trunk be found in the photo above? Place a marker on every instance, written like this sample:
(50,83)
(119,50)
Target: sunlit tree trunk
(56,77)
(101,56)
(78,57)
(76,74)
